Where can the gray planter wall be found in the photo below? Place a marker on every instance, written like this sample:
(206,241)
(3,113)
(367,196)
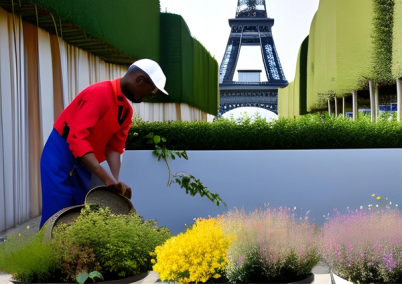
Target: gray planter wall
(315,180)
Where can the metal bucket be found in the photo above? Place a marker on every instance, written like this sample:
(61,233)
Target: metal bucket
(104,197)
(100,195)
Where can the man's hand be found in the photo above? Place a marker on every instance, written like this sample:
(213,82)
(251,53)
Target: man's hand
(121,188)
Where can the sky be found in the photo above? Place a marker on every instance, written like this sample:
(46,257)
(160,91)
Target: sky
(208,23)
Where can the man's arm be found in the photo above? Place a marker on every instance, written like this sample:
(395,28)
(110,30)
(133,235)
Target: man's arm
(89,160)
(113,159)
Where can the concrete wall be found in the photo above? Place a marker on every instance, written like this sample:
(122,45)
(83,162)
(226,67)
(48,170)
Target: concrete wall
(315,180)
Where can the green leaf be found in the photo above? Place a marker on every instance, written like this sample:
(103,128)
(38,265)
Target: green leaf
(163,139)
(157,139)
(82,277)
(94,274)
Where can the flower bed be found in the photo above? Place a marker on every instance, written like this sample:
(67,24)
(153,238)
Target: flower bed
(270,246)
(118,246)
(365,245)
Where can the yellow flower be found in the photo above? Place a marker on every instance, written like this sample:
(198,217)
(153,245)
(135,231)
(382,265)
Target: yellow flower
(378,198)
(28,227)
(373,195)
(198,253)
(19,235)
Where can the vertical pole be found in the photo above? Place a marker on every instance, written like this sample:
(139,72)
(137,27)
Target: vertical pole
(354,101)
(336,106)
(376,103)
(343,107)
(372,88)
(329,107)
(399,98)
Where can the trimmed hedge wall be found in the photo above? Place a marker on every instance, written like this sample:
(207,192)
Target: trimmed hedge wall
(383,24)
(191,72)
(306,132)
(130,26)
(292,100)
(397,41)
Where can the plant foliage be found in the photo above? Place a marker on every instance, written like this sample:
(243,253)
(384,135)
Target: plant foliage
(306,132)
(120,243)
(82,277)
(185,180)
(29,259)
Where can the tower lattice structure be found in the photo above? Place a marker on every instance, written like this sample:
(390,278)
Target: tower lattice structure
(251,27)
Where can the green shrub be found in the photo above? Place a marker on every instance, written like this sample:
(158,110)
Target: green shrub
(307,132)
(28,259)
(121,243)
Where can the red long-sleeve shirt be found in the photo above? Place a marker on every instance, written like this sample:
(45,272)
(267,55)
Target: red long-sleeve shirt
(97,120)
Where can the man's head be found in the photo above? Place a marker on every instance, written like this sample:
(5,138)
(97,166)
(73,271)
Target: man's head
(144,78)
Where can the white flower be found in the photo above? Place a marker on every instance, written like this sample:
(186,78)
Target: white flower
(361,207)
(376,205)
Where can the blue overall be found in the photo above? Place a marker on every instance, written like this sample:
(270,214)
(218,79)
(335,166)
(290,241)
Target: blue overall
(65,181)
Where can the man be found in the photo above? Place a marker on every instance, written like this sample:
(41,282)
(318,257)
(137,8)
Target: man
(92,129)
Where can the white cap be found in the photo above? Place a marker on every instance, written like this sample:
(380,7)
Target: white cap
(154,72)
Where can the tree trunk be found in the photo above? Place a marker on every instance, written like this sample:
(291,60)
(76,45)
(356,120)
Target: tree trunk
(329,107)
(343,107)
(374,108)
(355,109)
(399,98)
(336,106)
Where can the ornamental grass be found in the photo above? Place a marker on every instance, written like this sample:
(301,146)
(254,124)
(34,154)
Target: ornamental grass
(365,245)
(270,245)
(198,255)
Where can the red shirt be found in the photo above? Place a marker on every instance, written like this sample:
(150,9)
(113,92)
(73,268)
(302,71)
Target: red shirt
(97,120)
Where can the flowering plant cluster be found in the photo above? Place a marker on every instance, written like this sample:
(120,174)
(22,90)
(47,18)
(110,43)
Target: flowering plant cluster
(365,246)
(270,246)
(198,255)
(117,246)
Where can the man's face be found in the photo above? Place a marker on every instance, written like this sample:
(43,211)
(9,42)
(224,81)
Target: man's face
(137,86)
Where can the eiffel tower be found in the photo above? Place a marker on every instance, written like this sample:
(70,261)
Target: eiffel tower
(251,27)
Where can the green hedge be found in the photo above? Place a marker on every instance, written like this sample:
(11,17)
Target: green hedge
(397,41)
(191,71)
(306,132)
(292,100)
(383,24)
(129,26)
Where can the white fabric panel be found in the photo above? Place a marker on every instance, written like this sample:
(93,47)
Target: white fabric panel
(152,112)
(45,84)
(7,161)
(189,113)
(14,177)
(64,71)
(82,70)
